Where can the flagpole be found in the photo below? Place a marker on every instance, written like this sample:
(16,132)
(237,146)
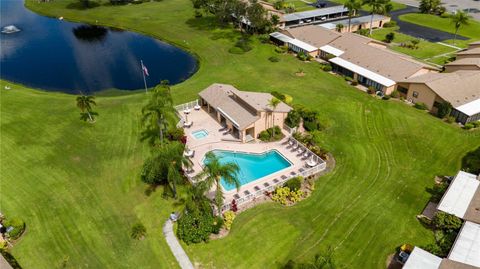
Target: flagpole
(143,73)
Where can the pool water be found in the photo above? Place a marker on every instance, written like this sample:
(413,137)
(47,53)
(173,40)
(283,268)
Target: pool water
(252,166)
(200,134)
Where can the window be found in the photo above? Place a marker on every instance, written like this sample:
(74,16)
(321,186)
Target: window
(402,89)
(436,104)
(415,94)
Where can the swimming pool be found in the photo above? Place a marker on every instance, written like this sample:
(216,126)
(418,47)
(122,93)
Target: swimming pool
(199,134)
(252,166)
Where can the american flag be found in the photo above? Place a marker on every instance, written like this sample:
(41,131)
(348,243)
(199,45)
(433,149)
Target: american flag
(145,70)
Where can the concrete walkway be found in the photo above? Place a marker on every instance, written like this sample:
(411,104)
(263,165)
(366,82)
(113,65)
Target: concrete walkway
(175,246)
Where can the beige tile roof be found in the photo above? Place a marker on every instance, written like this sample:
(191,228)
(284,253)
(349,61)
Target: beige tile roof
(259,101)
(221,96)
(466,61)
(449,264)
(314,35)
(458,88)
(240,106)
(469,51)
(384,62)
(473,211)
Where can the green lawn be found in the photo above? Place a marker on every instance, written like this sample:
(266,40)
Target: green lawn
(470,31)
(426,49)
(299,5)
(77,187)
(395,5)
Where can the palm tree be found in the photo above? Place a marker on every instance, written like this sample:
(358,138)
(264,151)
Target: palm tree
(173,155)
(85,102)
(157,114)
(166,163)
(214,172)
(353,6)
(273,103)
(459,18)
(339,27)
(377,7)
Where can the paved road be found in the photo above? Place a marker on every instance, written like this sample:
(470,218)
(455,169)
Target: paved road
(419,31)
(471,6)
(175,246)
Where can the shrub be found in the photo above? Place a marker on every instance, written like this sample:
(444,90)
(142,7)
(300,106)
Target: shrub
(279,4)
(236,50)
(10,258)
(371,90)
(138,231)
(327,67)
(281,49)
(274,59)
(450,119)
(18,227)
(267,135)
(244,44)
(471,161)
(294,184)
(395,94)
(283,195)
(390,24)
(476,124)
(468,126)
(228,217)
(386,97)
(310,120)
(217,225)
(389,37)
(264,136)
(444,110)
(264,38)
(302,56)
(195,227)
(293,118)
(175,134)
(198,13)
(447,222)
(354,82)
(364,32)
(421,106)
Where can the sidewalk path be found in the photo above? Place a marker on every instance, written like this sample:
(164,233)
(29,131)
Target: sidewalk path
(175,246)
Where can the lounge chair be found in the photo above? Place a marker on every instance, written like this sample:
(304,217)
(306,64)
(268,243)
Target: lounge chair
(188,124)
(236,196)
(266,184)
(301,170)
(283,177)
(256,188)
(293,173)
(275,181)
(197,107)
(227,132)
(246,193)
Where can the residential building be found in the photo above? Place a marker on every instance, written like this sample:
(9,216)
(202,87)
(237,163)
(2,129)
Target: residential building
(462,197)
(357,23)
(363,59)
(460,89)
(245,114)
(471,52)
(463,64)
(313,16)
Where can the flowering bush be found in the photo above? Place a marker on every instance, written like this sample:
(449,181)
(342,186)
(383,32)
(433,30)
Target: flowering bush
(228,218)
(283,195)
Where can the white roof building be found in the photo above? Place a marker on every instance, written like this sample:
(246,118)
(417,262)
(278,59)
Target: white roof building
(462,197)
(466,249)
(421,259)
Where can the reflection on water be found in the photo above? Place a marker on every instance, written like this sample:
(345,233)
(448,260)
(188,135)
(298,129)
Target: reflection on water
(62,56)
(90,33)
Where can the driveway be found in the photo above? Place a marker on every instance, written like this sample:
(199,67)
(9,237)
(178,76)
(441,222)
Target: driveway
(418,31)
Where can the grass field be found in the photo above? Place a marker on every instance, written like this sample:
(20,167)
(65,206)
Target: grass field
(76,185)
(426,50)
(395,5)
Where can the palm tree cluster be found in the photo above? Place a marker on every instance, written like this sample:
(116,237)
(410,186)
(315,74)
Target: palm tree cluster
(85,103)
(378,7)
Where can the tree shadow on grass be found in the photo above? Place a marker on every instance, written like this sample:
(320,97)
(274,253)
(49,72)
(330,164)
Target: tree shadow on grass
(83,5)
(211,24)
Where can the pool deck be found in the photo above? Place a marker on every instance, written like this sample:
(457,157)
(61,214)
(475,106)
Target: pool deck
(217,141)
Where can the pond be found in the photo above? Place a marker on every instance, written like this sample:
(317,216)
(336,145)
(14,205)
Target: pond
(57,55)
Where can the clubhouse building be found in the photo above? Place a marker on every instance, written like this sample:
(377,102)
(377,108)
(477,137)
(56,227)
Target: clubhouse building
(243,114)
(361,58)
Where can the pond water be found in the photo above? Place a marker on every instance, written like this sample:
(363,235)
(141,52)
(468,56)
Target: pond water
(57,55)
